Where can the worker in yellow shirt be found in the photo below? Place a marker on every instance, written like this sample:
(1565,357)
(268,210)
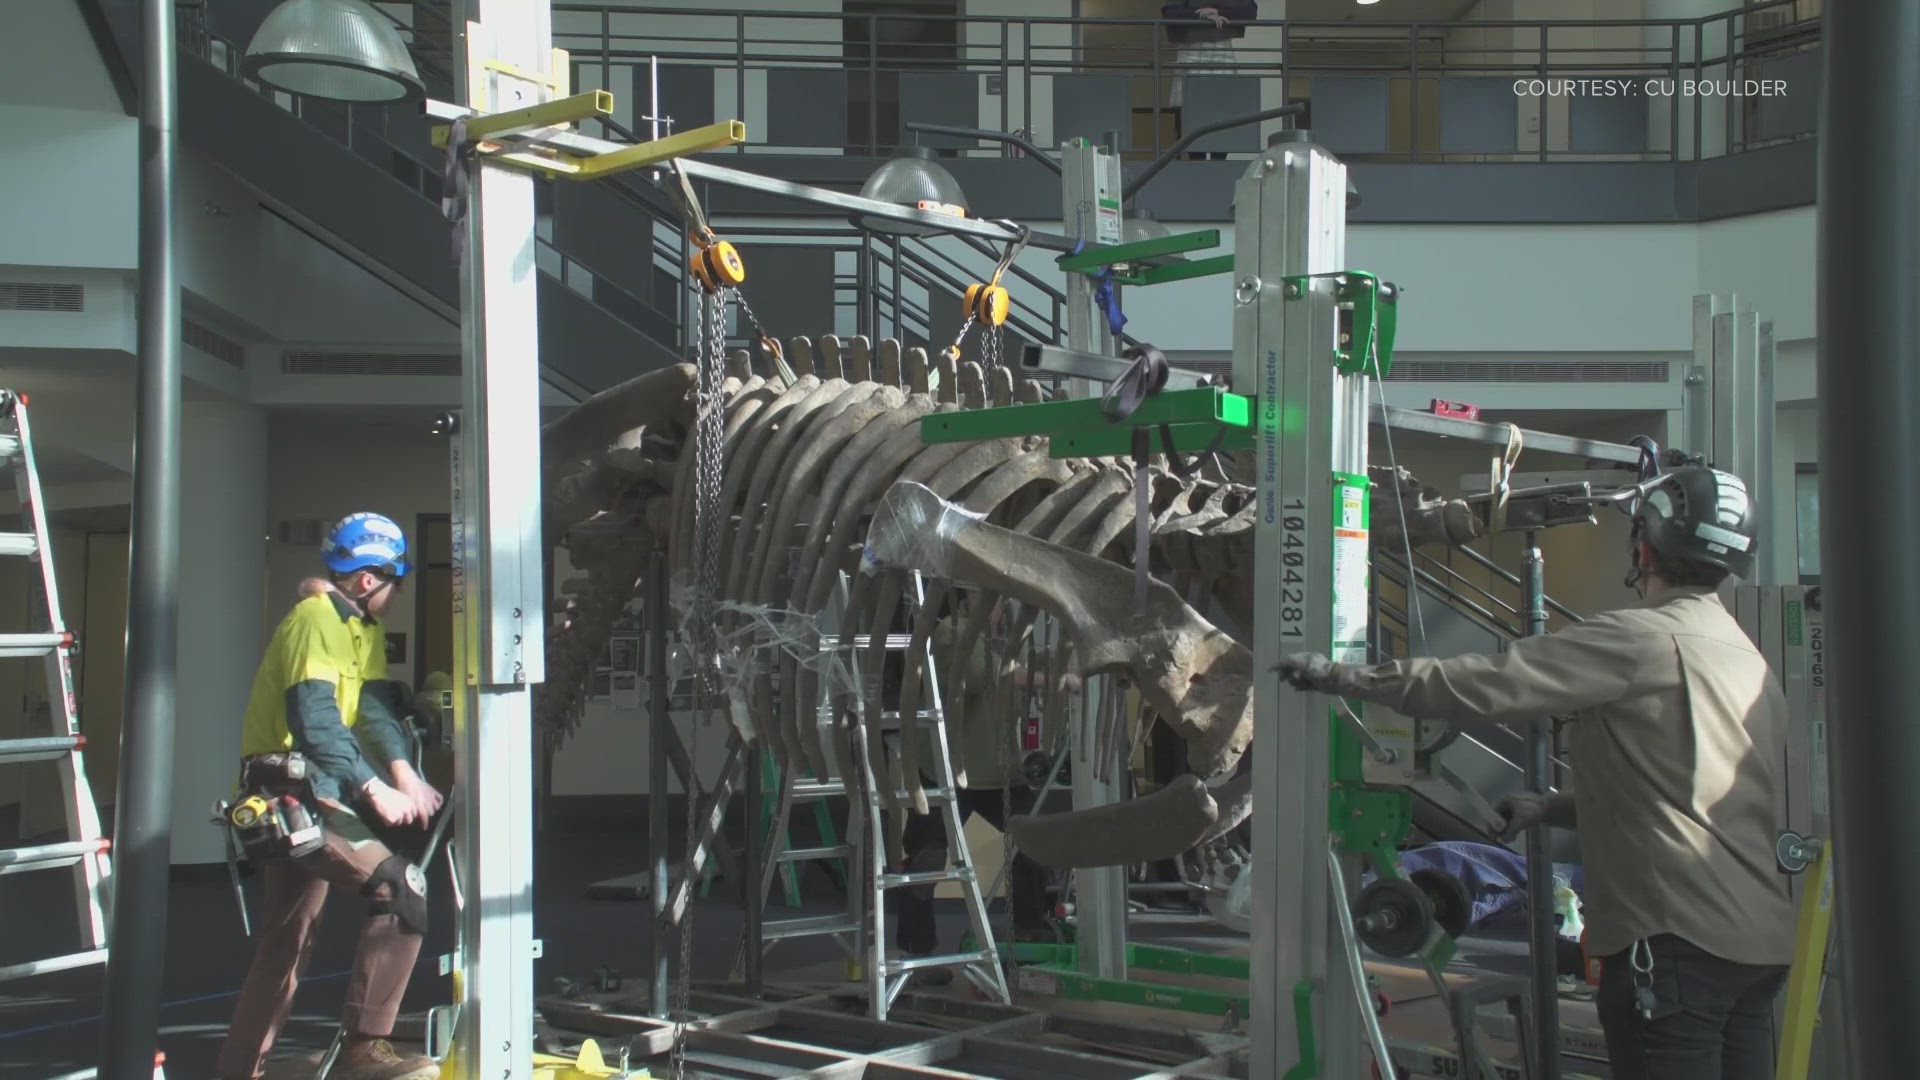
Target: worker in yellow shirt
(323,729)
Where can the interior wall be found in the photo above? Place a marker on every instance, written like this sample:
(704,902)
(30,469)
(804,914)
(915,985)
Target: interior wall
(324,484)
(32,789)
(608,753)
(102,674)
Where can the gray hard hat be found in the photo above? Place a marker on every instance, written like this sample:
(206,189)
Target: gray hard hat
(1701,514)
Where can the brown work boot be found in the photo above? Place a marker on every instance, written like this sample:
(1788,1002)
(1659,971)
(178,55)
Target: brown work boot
(374,1059)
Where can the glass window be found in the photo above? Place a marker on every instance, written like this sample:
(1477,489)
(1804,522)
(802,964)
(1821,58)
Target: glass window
(1806,505)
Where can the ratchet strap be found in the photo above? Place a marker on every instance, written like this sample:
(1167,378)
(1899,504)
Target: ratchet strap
(1145,377)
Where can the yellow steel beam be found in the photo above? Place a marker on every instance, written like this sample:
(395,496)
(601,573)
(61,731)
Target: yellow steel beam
(547,114)
(692,141)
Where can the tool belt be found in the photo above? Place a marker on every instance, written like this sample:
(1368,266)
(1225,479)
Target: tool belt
(275,815)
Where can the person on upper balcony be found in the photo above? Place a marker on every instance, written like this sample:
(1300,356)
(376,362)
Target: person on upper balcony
(1202,36)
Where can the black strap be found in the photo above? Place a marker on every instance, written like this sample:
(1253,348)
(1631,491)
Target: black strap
(1145,377)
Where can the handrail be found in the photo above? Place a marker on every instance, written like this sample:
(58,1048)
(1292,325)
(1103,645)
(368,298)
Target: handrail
(1513,580)
(199,44)
(1018,48)
(1491,622)
(1457,576)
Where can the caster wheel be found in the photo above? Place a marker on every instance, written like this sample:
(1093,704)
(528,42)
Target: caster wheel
(1380,1004)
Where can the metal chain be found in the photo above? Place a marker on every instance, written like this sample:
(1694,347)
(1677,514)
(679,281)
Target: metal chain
(760,334)
(961,337)
(710,428)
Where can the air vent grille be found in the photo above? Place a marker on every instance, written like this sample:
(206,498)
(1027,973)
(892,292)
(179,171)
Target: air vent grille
(42,296)
(1530,371)
(213,343)
(342,363)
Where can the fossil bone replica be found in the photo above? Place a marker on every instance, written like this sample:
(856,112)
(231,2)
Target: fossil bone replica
(827,473)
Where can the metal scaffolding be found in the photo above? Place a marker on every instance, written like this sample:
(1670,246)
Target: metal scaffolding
(1312,337)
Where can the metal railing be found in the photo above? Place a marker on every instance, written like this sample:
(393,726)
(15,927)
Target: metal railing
(364,131)
(876,289)
(1464,596)
(1492,614)
(1433,87)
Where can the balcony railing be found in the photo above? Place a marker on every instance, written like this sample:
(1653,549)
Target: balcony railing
(882,287)
(1544,90)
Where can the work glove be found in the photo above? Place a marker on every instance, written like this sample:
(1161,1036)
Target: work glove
(1520,812)
(1309,671)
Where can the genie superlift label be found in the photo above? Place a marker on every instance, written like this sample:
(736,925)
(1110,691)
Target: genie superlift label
(1350,568)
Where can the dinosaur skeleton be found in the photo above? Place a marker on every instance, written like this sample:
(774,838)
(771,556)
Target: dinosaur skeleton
(831,465)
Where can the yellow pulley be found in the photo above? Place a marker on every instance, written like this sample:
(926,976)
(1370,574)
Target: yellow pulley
(988,303)
(716,264)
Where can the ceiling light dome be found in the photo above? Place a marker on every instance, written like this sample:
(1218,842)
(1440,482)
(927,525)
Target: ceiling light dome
(1141,225)
(340,50)
(909,177)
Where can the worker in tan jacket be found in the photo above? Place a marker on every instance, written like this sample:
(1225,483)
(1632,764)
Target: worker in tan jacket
(1679,730)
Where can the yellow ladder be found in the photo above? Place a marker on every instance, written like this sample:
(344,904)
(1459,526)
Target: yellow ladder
(1808,977)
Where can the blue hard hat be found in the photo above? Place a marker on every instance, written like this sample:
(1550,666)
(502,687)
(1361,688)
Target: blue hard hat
(366,542)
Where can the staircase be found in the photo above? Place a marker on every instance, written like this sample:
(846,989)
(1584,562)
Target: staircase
(1459,612)
(367,182)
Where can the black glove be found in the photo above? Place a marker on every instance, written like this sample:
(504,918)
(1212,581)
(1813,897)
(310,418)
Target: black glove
(1309,671)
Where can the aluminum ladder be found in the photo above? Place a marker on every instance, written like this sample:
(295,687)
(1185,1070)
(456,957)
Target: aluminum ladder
(863,929)
(84,852)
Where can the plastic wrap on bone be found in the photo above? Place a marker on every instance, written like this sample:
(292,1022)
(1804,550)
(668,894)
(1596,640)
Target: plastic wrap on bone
(908,534)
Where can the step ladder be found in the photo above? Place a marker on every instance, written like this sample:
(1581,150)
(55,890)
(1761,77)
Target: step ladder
(776,824)
(84,853)
(862,929)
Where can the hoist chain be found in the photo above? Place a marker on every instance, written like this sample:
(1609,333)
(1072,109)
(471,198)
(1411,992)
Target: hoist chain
(710,428)
(760,334)
(961,337)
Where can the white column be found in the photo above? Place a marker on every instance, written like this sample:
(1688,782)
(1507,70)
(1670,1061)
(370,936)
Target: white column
(223,528)
(1661,120)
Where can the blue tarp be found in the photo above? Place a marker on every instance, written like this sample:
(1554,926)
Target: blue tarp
(1494,876)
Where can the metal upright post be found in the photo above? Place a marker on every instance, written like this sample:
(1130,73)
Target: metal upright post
(506,63)
(1697,400)
(1310,434)
(659,738)
(1869,395)
(1728,406)
(753,887)
(1543,939)
(143,830)
(1091,202)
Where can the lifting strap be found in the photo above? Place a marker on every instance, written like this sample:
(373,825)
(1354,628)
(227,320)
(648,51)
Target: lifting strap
(1104,293)
(1145,377)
